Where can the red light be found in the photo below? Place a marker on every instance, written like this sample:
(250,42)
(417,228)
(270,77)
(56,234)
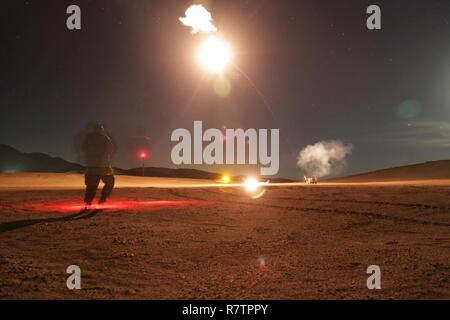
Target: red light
(143,155)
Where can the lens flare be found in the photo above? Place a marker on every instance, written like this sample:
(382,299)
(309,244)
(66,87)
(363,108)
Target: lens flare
(251,184)
(222,86)
(254,187)
(215,54)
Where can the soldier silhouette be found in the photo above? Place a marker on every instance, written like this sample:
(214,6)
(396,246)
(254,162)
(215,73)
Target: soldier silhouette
(97,149)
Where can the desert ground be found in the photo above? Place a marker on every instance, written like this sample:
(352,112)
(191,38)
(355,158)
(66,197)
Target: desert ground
(202,240)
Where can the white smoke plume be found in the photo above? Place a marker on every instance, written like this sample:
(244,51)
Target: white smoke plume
(324,158)
(199,19)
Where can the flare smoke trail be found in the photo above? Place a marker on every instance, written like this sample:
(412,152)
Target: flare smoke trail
(324,158)
(199,19)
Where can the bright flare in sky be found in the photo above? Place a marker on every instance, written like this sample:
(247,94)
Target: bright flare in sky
(215,54)
(199,19)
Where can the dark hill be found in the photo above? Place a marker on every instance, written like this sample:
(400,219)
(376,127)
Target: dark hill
(12,160)
(422,171)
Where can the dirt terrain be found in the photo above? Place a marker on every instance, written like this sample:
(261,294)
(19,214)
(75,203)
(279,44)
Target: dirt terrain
(212,242)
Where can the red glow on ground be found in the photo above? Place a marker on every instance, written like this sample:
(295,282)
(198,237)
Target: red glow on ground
(113,205)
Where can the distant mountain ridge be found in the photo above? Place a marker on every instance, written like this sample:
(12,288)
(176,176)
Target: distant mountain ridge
(13,160)
(431,170)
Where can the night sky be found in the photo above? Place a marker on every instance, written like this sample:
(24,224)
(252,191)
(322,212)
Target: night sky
(324,74)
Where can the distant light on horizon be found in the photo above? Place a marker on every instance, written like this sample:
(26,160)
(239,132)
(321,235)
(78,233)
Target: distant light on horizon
(251,184)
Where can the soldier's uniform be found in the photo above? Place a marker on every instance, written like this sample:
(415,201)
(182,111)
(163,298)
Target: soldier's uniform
(98,148)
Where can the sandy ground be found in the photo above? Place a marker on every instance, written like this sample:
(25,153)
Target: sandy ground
(68,181)
(294,242)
